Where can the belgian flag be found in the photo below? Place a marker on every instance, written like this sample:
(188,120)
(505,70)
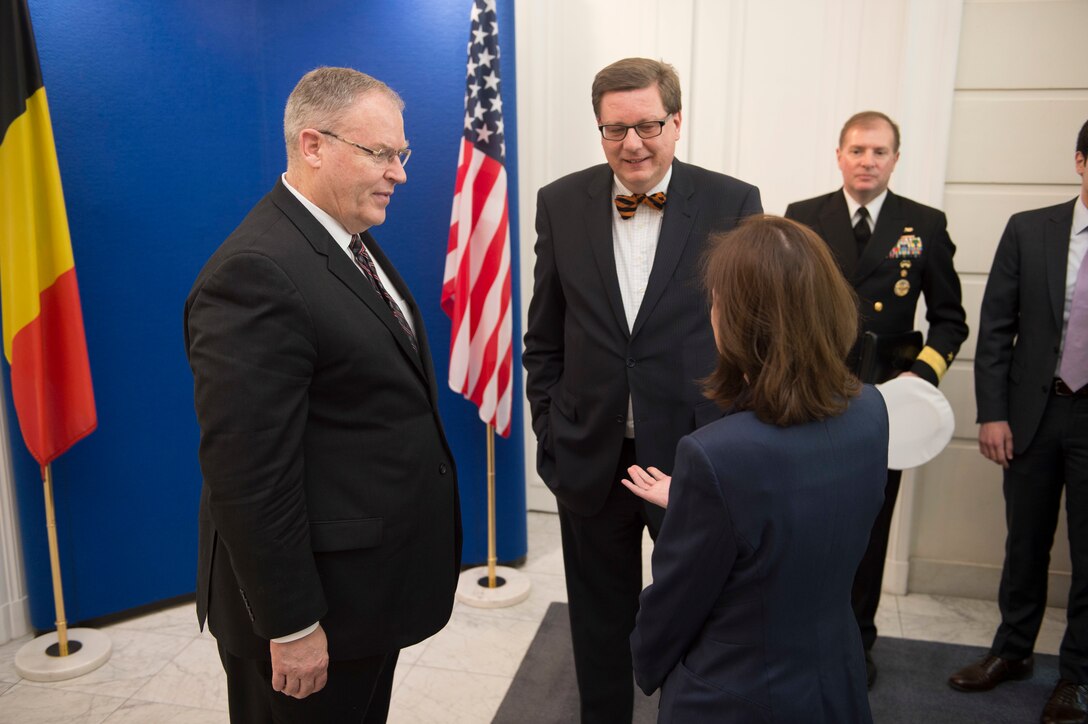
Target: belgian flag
(43,326)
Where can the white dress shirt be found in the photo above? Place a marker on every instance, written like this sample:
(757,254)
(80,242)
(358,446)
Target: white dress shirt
(873,207)
(634,245)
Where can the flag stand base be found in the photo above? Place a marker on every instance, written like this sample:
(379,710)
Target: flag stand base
(34,662)
(511,588)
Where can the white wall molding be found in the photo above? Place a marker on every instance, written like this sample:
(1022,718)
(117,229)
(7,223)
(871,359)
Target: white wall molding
(14,612)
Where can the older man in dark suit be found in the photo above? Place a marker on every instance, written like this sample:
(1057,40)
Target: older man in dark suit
(329,521)
(1031,385)
(894,251)
(617,341)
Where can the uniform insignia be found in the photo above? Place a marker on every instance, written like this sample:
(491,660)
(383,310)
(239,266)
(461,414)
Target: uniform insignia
(902,288)
(909,246)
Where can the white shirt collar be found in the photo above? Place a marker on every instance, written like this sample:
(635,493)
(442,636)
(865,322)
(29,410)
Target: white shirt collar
(1080,216)
(873,207)
(336,230)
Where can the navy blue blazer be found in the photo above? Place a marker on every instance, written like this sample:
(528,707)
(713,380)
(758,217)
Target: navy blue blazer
(748,618)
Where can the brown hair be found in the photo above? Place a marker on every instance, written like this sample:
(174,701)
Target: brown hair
(636,74)
(870,118)
(785,321)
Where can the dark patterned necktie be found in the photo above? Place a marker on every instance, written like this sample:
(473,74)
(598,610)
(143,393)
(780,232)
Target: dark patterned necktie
(862,232)
(628,205)
(366,265)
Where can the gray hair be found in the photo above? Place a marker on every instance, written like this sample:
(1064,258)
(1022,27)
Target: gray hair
(321,97)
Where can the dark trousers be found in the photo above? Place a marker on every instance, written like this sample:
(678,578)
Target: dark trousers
(865,595)
(602,558)
(357,691)
(1057,458)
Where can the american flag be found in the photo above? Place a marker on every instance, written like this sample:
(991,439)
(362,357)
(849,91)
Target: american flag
(476,284)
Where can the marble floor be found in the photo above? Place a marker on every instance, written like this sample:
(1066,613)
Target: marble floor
(163,670)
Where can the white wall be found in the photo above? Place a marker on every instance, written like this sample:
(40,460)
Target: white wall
(14,614)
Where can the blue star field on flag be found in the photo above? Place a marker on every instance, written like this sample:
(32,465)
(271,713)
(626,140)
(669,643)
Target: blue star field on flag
(483,104)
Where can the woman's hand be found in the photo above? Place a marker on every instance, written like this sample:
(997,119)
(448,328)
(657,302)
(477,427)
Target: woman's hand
(651,485)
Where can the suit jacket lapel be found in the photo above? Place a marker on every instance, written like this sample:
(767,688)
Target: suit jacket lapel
(889,227)
(345,270)
(598,218)
(680,211)
(835,228)
(1056,250)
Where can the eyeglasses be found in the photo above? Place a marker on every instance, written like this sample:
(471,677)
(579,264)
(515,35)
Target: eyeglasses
(646,129)
(383,157)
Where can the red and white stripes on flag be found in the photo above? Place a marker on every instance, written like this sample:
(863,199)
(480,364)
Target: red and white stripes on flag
(476,283)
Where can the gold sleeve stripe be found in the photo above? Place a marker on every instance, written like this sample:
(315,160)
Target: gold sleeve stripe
(934,359)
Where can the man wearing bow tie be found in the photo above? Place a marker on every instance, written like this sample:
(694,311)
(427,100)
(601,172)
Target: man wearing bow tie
(893,251)
(618,338)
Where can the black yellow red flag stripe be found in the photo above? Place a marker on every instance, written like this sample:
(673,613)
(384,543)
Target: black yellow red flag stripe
(44,341)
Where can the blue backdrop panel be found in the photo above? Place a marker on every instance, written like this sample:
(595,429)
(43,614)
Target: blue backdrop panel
(168,125)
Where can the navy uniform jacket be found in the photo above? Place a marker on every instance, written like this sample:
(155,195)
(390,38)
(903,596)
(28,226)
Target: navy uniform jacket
(909,255)
(748,618)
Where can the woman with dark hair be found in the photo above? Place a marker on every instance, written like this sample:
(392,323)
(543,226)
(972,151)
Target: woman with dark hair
(748,618)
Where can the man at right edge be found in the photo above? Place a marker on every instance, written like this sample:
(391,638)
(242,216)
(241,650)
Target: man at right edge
(1031,386)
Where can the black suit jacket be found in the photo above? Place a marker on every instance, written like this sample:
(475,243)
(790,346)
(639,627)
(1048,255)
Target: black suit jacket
(329,489)
(1020,327)
(886,263)
(582,360)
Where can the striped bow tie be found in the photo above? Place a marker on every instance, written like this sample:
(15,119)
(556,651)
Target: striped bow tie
(628,205)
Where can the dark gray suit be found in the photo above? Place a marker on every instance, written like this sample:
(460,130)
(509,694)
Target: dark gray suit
(584,363)
(1019,335)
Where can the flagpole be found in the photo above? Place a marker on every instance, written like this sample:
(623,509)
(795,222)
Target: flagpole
(54,561)
(61,654)
(492,586)
(492,556)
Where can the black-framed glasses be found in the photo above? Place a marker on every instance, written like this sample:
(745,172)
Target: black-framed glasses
(646,129)
(384,157)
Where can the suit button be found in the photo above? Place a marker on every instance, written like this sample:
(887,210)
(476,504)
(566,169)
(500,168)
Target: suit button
(630,361)
(621,418)
(879,306)
(442,469)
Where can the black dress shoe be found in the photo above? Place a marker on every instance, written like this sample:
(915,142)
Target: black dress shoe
(870,669)
(1067,705)
(989,672)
